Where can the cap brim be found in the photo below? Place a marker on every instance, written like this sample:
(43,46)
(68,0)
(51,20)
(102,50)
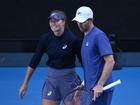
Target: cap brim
(78,19)
(55,18)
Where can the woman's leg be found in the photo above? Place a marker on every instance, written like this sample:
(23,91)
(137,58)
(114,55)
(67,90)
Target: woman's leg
(50,102)
(50,94)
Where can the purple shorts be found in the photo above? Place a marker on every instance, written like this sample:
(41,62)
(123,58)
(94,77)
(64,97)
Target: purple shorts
(59,82)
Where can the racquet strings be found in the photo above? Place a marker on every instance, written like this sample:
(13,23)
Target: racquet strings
(78,97)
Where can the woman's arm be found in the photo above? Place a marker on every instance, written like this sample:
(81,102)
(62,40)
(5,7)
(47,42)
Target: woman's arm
(26,80)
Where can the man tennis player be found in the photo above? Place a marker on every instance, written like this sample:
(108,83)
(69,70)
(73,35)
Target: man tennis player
(97,57)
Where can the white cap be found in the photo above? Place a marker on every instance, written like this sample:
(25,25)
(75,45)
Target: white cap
(82,14)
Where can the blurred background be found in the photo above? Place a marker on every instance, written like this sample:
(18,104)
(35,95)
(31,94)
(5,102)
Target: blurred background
(22,22)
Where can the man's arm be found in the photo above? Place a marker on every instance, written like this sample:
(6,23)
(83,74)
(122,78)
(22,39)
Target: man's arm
(107,69)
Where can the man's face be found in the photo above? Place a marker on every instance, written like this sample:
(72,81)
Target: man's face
(84,27)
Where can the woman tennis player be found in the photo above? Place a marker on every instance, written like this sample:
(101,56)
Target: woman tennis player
(62,47)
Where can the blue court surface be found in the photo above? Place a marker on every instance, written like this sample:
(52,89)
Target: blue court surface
(10,80)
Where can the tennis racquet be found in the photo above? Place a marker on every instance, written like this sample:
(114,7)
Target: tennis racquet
(83,96)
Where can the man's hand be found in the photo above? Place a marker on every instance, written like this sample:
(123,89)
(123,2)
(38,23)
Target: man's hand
(98,89)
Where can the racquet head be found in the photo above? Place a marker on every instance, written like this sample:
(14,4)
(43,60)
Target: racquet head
(78,97)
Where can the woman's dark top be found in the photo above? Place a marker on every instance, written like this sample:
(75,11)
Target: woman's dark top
(61,51)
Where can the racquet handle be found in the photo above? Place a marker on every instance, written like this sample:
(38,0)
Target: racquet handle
(112,85)
(109,85)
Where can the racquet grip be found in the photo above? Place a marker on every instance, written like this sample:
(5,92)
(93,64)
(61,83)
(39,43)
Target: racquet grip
(112,85)
(107,86)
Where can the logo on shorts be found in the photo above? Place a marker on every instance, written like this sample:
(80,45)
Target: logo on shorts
(49,93)
(64,47)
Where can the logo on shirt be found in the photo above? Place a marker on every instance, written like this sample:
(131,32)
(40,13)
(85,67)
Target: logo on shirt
(64,47)
(87,44)
(49,93)
(79,13)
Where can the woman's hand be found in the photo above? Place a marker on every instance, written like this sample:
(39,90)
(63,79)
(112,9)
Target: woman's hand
(22,90)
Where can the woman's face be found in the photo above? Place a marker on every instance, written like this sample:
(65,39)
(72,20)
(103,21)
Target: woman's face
(57,25)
